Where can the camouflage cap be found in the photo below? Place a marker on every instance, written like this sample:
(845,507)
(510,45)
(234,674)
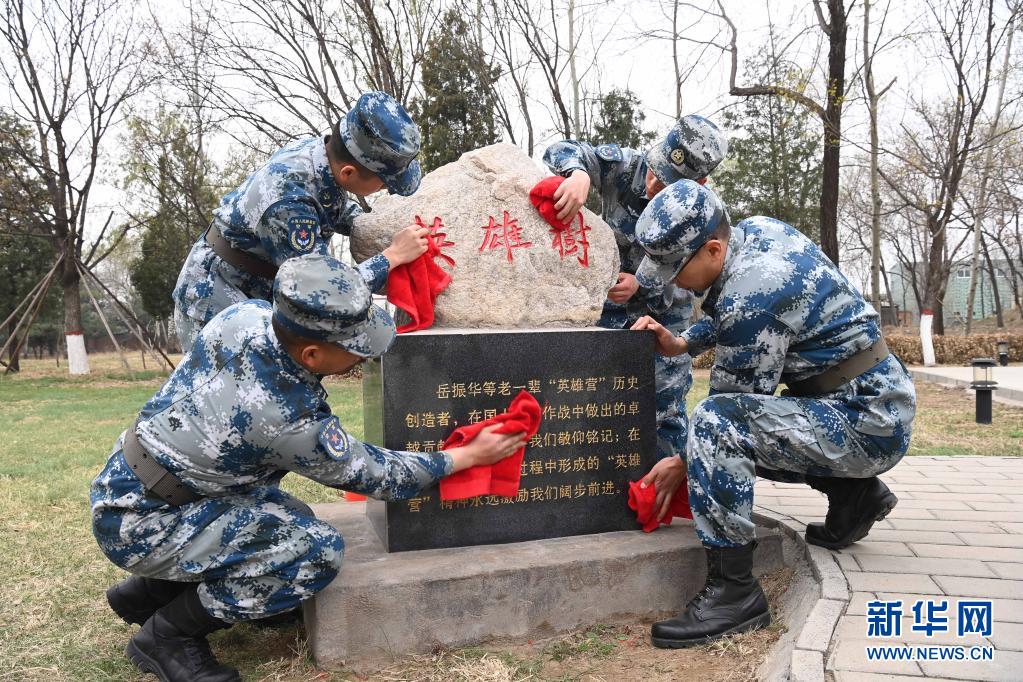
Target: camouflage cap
(319,297)
(691,150)
(674,225)
(382,137)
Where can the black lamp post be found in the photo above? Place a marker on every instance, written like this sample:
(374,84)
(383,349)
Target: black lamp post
(983,384)
(1003,353)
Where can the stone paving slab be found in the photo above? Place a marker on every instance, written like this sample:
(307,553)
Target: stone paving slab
(957,533)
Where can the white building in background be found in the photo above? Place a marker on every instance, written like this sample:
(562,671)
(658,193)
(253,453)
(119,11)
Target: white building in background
(957,293)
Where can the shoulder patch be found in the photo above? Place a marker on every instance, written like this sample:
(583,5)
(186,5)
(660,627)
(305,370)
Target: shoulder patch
(302,233)
(609,152)
(334,439)
(328,197)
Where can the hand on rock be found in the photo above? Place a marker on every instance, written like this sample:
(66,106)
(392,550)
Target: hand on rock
(407,245)
(624,289)
(570,196)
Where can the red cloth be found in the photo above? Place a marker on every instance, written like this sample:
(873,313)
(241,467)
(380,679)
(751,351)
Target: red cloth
(414,287)
(641,501)
(496,479)
(542,196)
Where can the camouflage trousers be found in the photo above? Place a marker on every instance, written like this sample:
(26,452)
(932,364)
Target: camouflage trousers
(673,377)
(255,555)
(736,435)
(207,285)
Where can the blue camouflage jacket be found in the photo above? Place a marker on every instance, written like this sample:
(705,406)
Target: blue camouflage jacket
(289,207)
(782,312)
(619,177)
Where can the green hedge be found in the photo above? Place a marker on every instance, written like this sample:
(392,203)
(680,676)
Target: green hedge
(948,350)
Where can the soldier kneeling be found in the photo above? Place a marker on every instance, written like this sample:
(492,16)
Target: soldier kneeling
(777,311)
(189,500)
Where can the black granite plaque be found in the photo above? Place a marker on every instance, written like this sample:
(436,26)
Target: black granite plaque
(596,388)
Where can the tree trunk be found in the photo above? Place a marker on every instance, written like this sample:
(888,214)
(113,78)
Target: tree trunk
(77,358)
(833,130)
(576,128)
(994,285)
(674,60)
(875,192)
(13,362)
(980,204)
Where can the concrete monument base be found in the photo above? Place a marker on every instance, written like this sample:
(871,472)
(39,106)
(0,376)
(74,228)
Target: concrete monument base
(387,605)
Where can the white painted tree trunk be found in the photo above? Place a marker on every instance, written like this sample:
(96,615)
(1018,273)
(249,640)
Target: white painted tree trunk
(77,359)
(926,343)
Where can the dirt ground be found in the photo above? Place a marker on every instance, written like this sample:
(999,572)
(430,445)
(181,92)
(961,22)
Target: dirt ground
(601,653)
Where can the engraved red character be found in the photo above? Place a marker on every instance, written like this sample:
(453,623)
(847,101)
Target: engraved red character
(569,240)
(440,237)
(507,235)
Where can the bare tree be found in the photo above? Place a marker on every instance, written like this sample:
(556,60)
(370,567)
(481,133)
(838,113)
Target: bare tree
(70,67)
(873,102)
(857,220)
(834,26)
(1006,204)
(683,66)
(931,157)
(286,68)
(980,204)
(495,37)
(537,25)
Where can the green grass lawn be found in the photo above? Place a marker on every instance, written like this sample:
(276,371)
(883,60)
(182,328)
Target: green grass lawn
(55,435)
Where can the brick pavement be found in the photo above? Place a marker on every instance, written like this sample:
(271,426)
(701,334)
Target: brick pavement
(957,532)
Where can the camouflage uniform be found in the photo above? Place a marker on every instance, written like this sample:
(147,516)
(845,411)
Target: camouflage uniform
(780,312)
(692,149)
(235,416)
(292,206)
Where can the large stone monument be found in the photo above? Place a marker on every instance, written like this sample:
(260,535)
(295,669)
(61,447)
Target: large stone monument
(511,270)
(566,551)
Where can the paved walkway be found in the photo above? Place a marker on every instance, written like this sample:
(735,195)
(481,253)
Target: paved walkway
(1010,380)
(957,533)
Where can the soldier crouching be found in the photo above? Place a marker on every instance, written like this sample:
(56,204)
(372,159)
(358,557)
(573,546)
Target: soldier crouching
(189,500)
(777,311)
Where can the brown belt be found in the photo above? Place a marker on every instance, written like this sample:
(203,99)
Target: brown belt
(842,373)
(245,262)
(154,477)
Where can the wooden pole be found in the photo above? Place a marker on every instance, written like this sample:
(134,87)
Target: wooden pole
(127,311)
(103,319)
(34,308)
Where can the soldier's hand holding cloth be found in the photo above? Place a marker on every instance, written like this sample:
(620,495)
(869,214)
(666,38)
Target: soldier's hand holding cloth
(522,420)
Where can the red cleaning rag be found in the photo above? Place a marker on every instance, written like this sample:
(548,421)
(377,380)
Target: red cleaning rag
(641,500)
(542,196)
(496,479)
(414,287)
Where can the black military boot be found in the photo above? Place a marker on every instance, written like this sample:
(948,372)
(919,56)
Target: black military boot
(172,644)
(730,602)
(136,599)
(854,505)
